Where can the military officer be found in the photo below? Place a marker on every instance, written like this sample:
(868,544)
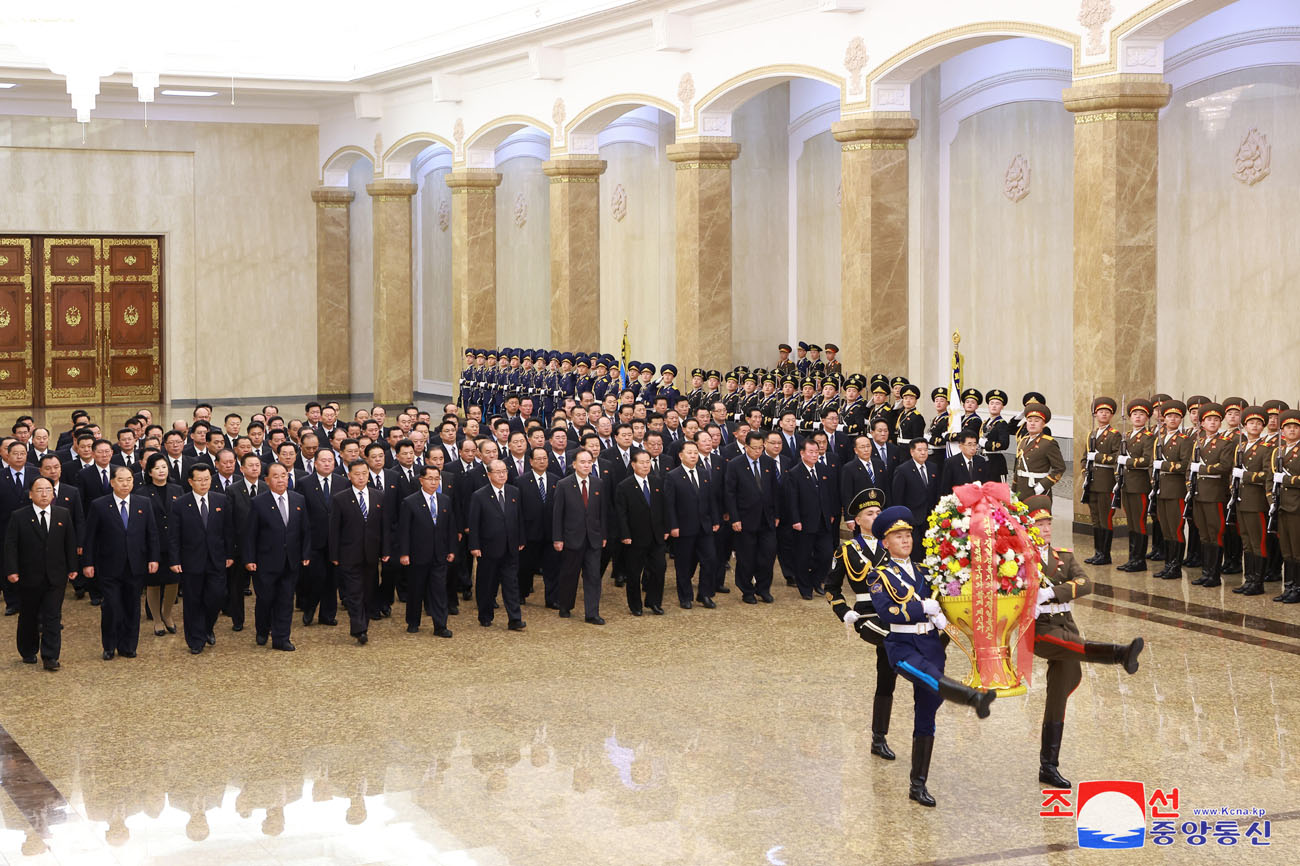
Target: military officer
(816,366)
(853,412)
(1173,452)
(1099,477)
(1254,480)
(1232,411)
(1216,457)
(904,601)
(1134,461)
(1018,422)
(908,423)
(1057,639)
(995,435)
(801,360)
(785,366)
(1039,464)
(1286,484)
(1192,551)
(853,564)
(833,366)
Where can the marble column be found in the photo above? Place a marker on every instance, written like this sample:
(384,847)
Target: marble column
(873,241)
(473,258)
(575,251)
(702,192)
(394,345)
(1115,183)
(333,284)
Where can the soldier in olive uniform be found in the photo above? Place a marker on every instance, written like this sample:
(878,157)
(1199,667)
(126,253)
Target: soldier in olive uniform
(1018,422)
(833,366)
(1216,457)
(1232,410)
(908,423)
(1039,464)
(785,366)
(1286,484)
(1135,462)
(1253,472)
(1193,549)
(1272,434)
(853,414)
(1154,529)
(995,435)
(853,564)
(1057,639)
(1100,462)
(1173,453)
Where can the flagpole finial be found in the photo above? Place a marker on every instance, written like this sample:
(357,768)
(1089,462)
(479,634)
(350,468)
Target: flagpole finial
(956,338)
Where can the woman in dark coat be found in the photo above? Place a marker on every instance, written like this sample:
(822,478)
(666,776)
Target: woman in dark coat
(160,587)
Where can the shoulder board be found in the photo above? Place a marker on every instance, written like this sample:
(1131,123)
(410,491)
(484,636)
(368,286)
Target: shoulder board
(1046,437)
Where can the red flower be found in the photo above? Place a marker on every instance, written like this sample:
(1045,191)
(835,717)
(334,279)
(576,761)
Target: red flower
(947,549)
(1002,545)
(963,562)
(945,523)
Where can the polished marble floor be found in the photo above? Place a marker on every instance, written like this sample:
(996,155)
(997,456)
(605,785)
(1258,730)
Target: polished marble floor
(730,736)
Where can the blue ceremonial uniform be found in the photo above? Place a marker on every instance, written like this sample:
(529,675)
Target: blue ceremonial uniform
(896,594)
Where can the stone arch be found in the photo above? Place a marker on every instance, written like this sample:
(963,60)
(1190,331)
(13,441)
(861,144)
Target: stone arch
(397,159)
(711,109)
(581,132)
(480,146)
(334,171)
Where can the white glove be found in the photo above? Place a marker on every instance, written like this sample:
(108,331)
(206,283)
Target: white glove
(1039,611)
(1092,456)
(1278,476)
(1122,460)
(930,606)
(940,621)
(1196,467)
(1239,473)
(1157,465)
(1038,488)
(1045,595)
(849,619)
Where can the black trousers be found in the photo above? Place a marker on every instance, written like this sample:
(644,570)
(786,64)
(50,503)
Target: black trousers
(692,551)
(357,584)
(498,572)
(787,551)
(319,589)
(204,593)
(578,562)
(236,582)
(40,619)
(918,541)
(722,549)
(812,552)
(646,567)
(119,615)
(755,555)
(539,556)
(386,578)
(426,584)
(273,611)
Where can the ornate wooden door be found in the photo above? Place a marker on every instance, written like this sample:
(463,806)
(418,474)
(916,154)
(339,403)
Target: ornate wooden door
(17,330)
(71,277)
(132,349)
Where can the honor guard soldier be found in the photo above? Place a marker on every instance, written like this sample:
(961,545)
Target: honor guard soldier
(789,400)
(1157,553)
(1192,551)
(1057,639)
(581,376)
(809,405)
(750,397)
(697,394)
(908,423)
(732,397)
(1019,421)
(833,366)
(1286,490)
(880,407)
(1254,479)
(831,401)
(666,388)
(1173,451)
(801,362)
(1233,407)
(995,435)
(1215,459)
(1134,461)
(853,564)
(769,401)
(969,421)
(1272,433)
(853,413)
(896,391)
(903,599)
(600,381)
(816,366)
(1099,478)
(462,390)
(1039,464)
(646,390)
(937,434)
(785,366)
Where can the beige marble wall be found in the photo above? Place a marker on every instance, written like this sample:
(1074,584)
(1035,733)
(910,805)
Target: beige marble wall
(434,205)
(1227,251)
(873,226)
(923,238)
(637,252)
(1011,261)
(575,251)
(818,241)
(393,325)
(332,347)
(702,189)
(233,202)
(361,257)
(473,259)
(760,202)
(523,254)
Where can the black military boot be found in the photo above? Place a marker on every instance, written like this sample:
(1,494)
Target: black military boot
(1107,536)
(1232,553)
(1157,543)
(1204,558)
(1254,584)
(1288,584)
(1173,569)
(880,711)
(1048,774)
(1193,553)
(1213,560)
(960,693)
(922,747)
(1096,547)
(1292,595)
(1273,572)
(1127,565)
(1166,558)
(1139,542)
(1125,655)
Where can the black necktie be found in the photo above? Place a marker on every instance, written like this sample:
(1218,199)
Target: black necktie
(45,527)
(325,486)
(541,487)
(203,510)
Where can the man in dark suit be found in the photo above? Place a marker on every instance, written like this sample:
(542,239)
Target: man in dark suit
(126,452)
(886,453)
(965,467)
(915,488)
(785,540)
(359,538)
(241,495)
(16,478)
(619,460)
(791,441)
(750,493)
(661,463)
(838,442)
(65,495)
(402,480)
(537,499)
(178,462)
(578,535)
(561,457)
(863,471)
(120,547)
(40,557)
(201,538)
(641,515)
(810,510)
(277,544)
(693,519)
(496,535)
(81,458)
(91,478)
(426,543)
(319,591)
(466,476)
(713,470)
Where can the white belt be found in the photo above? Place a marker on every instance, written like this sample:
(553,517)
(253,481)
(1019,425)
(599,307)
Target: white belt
(1202,475)
(918,628)
(1063,607)
(1032,476)
(862,596)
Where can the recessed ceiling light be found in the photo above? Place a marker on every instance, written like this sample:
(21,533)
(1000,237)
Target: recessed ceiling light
(6,85)
(189,93)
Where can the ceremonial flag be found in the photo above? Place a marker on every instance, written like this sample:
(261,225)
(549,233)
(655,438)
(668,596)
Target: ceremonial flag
(954,387)
(624,359)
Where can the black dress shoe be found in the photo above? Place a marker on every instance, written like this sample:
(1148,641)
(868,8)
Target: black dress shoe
(454,610)
(79,594)
(708,602)
(29,660)
(363,638)
(466,594)
(412,629)
(306,617)
(286,647)
(806,596)
(723,589)
(618,581)
(749,599)
(636,612)
(195,650)
(52,664)
(550,605)
(248,591)
(159,632)
(108,655)
(236,628)
(262,639)
(442,631)
(388,610)
(766,596)
(564,614)
(517,625)
(595,620)
(171,629)
(324,621)
(486,623)
(211,639)
(686,605)
(126,654)
(94,602)
(10,611)
(657,610)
